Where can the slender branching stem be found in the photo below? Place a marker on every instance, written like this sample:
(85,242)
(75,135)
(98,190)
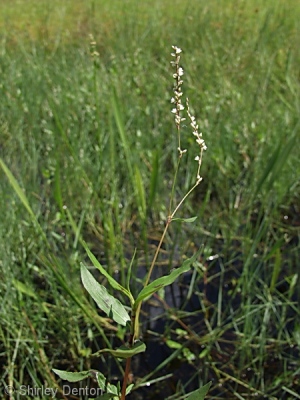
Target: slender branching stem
(183,199)
(178,108)
(173,185)
(157,251)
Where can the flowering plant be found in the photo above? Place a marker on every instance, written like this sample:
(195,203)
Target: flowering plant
(108,303)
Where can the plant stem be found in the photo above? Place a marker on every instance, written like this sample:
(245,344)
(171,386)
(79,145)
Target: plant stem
(126,374)
(157,250)
(169,220)
(128,360)
(137,311)
(182,200)
(173,185)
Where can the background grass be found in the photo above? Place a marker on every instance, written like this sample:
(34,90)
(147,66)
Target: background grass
(91,142)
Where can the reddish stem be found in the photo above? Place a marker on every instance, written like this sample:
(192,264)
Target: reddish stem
(126,375)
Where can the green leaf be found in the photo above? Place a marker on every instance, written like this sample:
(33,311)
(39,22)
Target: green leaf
(106,302)
(173,345)
(73,376)
(188,220)
(200,393)
(165,280)
(101,381)
(129,272)
(110,388)
(204,352)
(124,351)
(129,388)
(114,284)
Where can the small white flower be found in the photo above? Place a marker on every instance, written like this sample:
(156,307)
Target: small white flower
(200,141)
(180,71)
(177,49)
(178,94)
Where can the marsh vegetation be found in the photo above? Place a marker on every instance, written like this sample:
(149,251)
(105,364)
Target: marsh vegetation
(87,133)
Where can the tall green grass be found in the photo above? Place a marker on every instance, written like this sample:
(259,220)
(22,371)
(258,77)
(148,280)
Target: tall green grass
(96,135)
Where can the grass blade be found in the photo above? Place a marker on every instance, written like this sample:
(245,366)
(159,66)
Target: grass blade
(154,179)
(122,133)
(140,194)
(14,183)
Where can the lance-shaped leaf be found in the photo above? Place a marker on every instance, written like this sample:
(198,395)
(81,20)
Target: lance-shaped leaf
(123,351)
(200,393)
(114,284)
(105,386)
(165,280)
(106,302)
(73,376)
(189,220)
(129,388)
